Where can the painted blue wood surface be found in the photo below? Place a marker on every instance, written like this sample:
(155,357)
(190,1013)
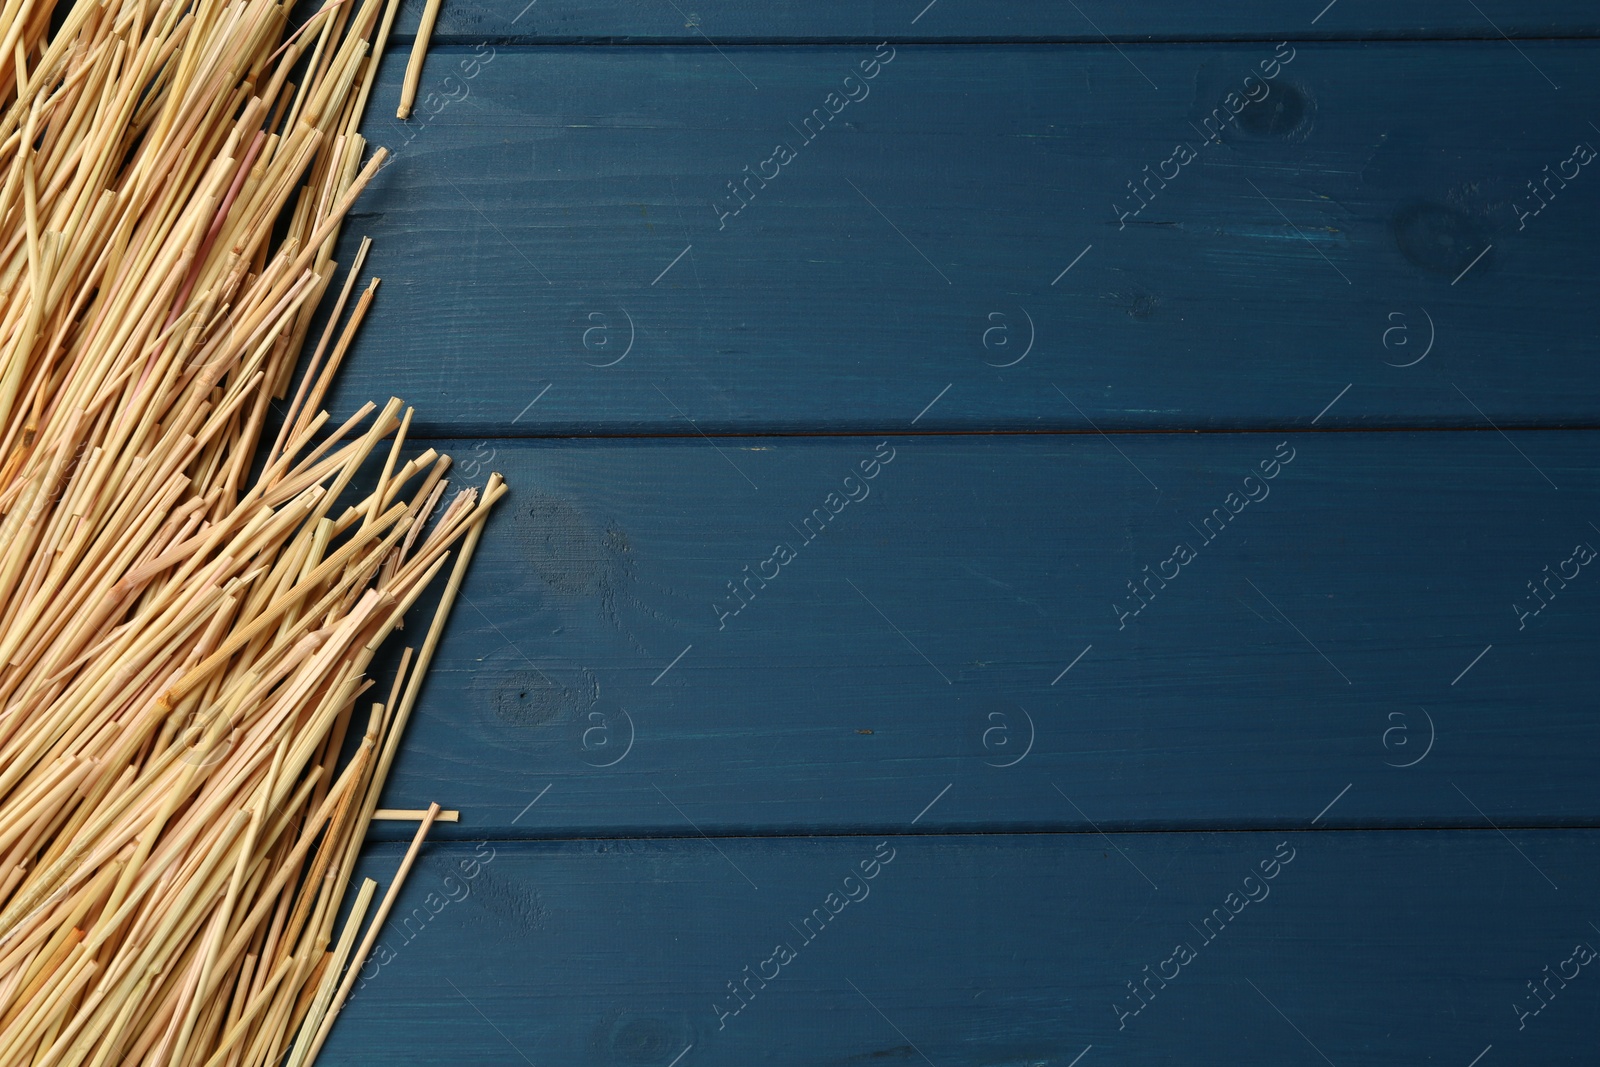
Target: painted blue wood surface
(988,951)
(1391,647)
(557,228)
(918,636)
(652,21)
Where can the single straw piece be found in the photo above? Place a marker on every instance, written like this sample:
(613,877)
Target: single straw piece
(419,50)
(414,814)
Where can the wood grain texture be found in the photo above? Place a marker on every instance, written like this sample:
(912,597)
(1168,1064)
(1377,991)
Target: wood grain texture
(649,21)
(675,739)
(557,228)
(918,637)
(1384,948)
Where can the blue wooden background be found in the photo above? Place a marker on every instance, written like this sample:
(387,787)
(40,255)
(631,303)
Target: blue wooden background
(1062,566)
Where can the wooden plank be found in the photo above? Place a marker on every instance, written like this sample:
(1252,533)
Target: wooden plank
(1374,948)
(937,632)
(555,262)
(720,21)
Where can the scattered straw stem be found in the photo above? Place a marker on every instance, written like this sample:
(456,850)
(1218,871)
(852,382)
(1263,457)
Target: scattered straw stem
(414,814)
(419,51)
(373,930)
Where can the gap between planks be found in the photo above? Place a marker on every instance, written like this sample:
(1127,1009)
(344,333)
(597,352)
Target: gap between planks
(498,835)
(472,432)
(401,42)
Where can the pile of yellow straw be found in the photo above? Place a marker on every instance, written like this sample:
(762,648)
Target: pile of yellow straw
(184,642)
